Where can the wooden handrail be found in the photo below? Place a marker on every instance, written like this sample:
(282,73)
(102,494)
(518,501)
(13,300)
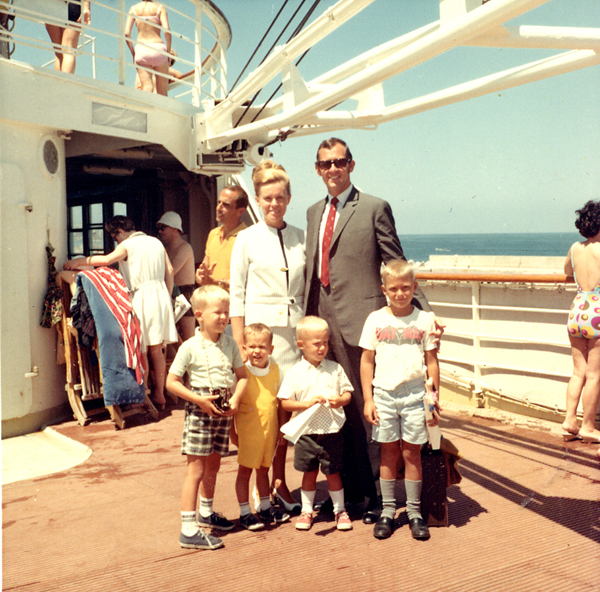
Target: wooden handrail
(482,276)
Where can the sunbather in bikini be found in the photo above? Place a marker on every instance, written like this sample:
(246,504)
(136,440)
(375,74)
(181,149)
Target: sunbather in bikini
(150,50)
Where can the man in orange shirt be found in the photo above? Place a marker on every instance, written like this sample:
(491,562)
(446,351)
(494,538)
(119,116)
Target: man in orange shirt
(214,269)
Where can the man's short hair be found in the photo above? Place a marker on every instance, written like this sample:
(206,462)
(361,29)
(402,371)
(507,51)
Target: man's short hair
(119,223)
(396,269)
(330,143)
(310,324)
(205,295)
(258,329)
(241,198)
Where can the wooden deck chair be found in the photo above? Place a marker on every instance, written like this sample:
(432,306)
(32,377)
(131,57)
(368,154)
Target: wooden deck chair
(83,377)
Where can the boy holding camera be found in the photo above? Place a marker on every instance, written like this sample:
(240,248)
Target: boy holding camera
(211,359)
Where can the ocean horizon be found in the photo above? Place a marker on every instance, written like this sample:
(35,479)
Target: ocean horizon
(419,247)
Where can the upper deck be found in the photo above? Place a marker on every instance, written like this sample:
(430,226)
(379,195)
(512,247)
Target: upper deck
(98,109)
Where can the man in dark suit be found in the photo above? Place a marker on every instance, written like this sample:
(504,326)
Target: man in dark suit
(349,235)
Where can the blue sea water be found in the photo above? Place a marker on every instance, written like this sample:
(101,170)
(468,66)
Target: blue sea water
(535,244)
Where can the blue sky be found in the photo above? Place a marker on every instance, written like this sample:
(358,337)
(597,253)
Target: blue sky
(519,161)
(522,160)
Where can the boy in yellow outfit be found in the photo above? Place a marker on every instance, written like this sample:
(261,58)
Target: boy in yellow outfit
(257,428)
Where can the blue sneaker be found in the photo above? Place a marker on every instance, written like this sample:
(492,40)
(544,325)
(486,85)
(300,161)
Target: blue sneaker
(200,540)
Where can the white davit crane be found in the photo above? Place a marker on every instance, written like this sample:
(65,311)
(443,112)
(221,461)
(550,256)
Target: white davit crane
(307,107)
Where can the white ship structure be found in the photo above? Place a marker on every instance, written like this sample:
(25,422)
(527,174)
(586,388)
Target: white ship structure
(76,150)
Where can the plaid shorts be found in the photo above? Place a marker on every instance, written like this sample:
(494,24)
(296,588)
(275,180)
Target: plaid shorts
(202,434)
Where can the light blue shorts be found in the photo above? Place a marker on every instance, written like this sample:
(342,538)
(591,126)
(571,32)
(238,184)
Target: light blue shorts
(401,413)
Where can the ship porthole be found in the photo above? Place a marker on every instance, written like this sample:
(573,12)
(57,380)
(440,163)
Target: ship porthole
(50,157)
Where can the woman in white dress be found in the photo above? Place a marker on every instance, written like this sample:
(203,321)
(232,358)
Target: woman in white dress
(147,271)
(267,284)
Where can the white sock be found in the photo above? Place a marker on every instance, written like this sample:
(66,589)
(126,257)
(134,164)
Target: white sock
(206,507)
(188,523)
(245,509)
(308,500)
(337,497)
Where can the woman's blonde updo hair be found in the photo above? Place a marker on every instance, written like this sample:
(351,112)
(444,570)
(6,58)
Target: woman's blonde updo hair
(269,172)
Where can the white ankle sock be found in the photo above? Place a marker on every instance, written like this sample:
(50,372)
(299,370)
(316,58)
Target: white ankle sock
(337,497)
(206,507)
(308,500)
(188,523)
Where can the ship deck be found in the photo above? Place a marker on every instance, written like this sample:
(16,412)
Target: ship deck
(526,516)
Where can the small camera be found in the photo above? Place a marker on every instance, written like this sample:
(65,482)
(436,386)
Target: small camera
(222,401)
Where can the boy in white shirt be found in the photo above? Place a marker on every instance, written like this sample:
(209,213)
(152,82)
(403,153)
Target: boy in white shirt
(399,352)
(317,381)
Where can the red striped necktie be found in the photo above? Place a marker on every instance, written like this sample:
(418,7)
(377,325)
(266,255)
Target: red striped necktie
(327,235)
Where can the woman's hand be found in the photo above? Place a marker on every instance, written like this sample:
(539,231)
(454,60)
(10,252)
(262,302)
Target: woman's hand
(73,264)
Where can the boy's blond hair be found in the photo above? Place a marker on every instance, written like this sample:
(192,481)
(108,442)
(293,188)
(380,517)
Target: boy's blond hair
(396,269)
(204,295)
(310,324)
(258,329)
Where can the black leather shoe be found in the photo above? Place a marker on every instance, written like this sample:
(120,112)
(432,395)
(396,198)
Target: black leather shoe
(372,512)
(384,528)
(419,529)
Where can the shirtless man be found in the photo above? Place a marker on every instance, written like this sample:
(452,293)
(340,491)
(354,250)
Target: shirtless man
(214,269)
(182,259)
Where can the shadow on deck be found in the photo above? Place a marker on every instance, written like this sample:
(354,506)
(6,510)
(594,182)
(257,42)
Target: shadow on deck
(526,516)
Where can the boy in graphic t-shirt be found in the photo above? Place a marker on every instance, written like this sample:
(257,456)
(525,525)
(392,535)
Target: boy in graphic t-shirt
(399,353)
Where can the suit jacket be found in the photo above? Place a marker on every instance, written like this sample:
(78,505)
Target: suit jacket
(364,238)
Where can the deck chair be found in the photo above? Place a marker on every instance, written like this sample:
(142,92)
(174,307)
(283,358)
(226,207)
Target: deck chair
(84,375)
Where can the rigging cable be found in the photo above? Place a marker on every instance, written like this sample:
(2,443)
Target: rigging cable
(296,31)
(258,46)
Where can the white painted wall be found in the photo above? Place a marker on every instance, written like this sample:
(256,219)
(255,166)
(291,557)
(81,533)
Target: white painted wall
(33,211)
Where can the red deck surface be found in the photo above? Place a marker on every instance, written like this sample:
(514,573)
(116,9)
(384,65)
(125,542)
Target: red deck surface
(526,517)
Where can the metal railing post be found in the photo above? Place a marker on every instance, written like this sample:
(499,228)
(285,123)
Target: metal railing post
(475,302)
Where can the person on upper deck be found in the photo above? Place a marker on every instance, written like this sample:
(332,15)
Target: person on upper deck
(78,13)
(173,74)
(583,264)
(150,50)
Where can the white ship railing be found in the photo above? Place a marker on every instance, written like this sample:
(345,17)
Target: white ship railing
(200,34)
(505,335)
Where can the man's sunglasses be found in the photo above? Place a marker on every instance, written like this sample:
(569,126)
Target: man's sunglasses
(339,163)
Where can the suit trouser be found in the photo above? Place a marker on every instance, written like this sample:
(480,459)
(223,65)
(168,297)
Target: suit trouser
(361,454)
